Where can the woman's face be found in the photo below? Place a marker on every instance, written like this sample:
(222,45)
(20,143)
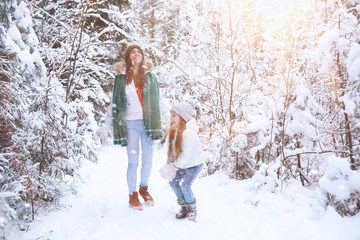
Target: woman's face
(135,56)
(175,119)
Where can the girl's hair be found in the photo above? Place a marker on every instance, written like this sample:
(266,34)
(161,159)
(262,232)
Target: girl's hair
(140,78)
(176,145)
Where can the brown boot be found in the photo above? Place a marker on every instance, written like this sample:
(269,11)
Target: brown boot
(146,196)
(134,201)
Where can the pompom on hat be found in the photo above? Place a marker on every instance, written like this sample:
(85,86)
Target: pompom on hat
(184,109)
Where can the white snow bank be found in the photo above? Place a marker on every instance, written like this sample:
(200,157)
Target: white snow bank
(227,209)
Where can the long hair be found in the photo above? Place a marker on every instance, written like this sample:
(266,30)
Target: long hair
(140,78)
(176,140)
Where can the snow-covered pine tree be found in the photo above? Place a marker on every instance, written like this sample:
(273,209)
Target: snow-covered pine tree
(39,163)
(11,206)
(14,200)
(55,56)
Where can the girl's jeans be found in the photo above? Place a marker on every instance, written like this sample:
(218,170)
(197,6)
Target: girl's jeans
(136,132)
(187,176)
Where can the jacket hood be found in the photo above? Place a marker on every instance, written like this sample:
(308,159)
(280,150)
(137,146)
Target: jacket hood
(119,67)
(192,124)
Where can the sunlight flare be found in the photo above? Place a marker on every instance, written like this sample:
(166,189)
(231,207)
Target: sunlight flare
(279,12)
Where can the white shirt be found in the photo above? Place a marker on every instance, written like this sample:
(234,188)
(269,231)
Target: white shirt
(133,108)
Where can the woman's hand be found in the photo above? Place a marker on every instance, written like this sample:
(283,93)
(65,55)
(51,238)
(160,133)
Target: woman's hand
(103,133)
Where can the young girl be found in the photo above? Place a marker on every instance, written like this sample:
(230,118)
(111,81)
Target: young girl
(185,158)
(134,116)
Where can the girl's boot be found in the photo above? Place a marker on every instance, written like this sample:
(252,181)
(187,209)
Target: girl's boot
(183,210)
(146,196)
(134,201)
(191,211)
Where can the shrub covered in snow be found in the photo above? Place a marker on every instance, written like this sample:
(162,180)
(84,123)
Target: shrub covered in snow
(341,186)
(265,179)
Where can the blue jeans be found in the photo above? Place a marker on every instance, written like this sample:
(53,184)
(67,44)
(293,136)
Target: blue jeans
(187,176)
(136,132)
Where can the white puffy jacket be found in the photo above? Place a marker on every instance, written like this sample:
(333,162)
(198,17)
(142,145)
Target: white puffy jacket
(192,154)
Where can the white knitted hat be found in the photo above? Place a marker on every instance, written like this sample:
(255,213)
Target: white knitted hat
(184,109)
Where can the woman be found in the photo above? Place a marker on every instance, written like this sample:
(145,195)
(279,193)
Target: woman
(185,158)
(135,112)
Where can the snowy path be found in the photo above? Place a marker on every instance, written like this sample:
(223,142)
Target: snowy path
(227,210)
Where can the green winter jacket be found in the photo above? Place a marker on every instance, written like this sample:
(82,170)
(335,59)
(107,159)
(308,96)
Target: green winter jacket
(151,109)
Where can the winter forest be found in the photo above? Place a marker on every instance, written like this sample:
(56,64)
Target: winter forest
(275,85)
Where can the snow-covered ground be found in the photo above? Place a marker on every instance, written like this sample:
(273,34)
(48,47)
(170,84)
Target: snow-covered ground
(227,209)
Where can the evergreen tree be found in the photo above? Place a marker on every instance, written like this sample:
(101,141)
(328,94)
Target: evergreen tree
(55,58)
